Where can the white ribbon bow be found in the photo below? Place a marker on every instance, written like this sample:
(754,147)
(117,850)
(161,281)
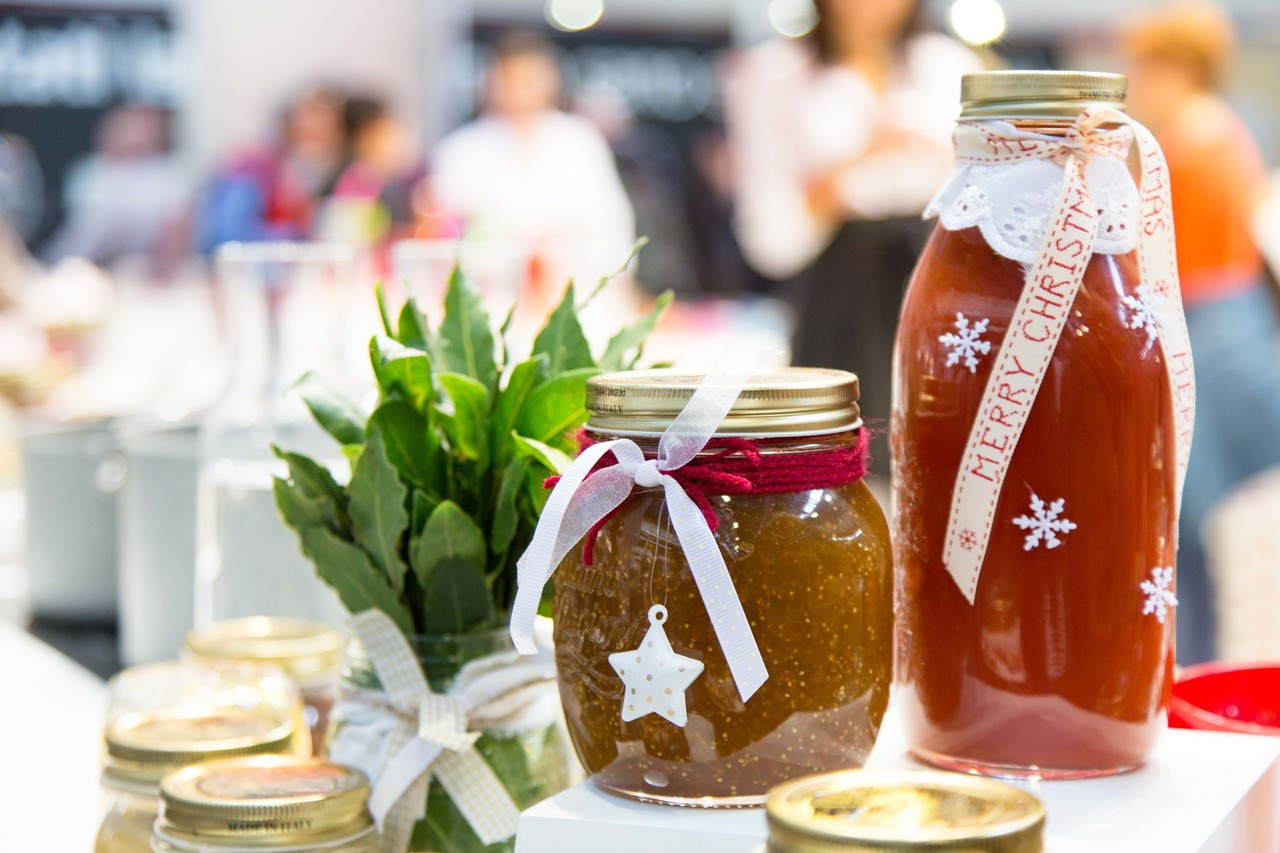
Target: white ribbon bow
(577,503)
(430,740)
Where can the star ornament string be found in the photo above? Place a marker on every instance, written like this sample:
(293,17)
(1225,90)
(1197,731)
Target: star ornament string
(578,502)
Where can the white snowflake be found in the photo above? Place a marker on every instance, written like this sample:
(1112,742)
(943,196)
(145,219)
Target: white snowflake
(1159,596)
(1145,312)
(967,344)
(1046,524)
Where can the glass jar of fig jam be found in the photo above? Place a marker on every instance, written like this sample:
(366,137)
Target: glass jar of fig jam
(1035,568)
(807,548)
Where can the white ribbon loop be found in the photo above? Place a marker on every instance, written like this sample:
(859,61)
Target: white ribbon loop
(1040,316)
(577,503)
(430,739)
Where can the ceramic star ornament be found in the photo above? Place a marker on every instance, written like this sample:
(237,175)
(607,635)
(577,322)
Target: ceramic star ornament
(654,677)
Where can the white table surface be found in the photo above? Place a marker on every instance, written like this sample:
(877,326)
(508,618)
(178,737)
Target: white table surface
(1201,791)
(51,713)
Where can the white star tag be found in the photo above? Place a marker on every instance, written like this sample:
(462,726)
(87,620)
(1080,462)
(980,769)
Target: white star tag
(654,677)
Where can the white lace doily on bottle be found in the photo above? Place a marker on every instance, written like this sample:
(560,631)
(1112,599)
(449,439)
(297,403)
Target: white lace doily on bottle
(1011,204)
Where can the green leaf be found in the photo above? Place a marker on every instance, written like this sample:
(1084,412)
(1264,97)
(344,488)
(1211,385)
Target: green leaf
(466,341)
(561,339)
(556,407)
(449,534)
(456,598)
(632,338)
(402,370)
(312,478)
(548,457)
(299,510)
(511,399)
(413,330)
(380,295)
(412,446)
(535,488)
(335,413)
(353,576)
(506,515)
(639,244)
(377,509)
(467,423)
(502,336)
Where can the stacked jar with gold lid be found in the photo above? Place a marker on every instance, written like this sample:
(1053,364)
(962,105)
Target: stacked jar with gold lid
(142,747)
(276,803)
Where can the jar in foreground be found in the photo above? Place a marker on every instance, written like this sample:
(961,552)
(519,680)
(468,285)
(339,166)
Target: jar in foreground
(141,747)
(309,652)
(518,718)
(1057,661)
(865,810)
(279,803)
(807,549)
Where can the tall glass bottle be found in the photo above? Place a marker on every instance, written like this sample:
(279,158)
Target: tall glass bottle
(1053,655)
(286,309)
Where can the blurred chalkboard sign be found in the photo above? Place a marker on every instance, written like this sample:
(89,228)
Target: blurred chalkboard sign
(62,68)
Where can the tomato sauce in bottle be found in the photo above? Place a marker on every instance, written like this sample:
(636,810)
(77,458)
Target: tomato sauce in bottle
(1061,665)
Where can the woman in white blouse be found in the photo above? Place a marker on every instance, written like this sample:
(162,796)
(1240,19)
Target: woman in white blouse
(840,139)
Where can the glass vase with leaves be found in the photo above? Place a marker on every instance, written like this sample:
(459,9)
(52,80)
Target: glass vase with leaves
(445,488)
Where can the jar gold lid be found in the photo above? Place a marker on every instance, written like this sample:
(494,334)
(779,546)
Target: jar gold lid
(306,651)
(263,802)
(782,401)
(865,810)
(1039,94)
(142,747)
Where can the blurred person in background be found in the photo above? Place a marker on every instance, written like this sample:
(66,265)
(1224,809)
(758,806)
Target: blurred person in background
(1178,56)
(526,171)
(272,193)
(123,196)
(840,139)
(373,195)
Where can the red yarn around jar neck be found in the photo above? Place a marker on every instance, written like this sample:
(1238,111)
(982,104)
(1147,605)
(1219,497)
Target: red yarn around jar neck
(741,466)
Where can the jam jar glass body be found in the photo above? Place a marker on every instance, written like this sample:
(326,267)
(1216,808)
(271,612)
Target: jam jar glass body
(812,569)
(1061,667)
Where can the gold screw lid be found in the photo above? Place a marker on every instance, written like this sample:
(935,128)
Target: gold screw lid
(143,746)
(306,651)
(865,810)
(784,401)
(263,802)
(1039,94)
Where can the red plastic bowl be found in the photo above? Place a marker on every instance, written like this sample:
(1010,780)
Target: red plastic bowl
(1228,697)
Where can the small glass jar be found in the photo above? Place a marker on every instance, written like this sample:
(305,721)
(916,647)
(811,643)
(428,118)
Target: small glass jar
(141,747)
(860,810)
(309,652)
(524,743)
(278,803)
(241,684)
(810,565)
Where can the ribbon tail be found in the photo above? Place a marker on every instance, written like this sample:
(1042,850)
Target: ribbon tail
(401,772)
(715,585)
(478,793)
(397,830)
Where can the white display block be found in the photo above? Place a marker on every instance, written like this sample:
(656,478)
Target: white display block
(1201,791)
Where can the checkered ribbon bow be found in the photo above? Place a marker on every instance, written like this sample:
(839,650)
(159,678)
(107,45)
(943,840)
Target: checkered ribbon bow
(430,740)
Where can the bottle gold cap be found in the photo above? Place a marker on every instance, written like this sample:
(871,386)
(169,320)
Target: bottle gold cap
(779,402)
(306,651)
(1038,94)
(263,802)
(864,810)
(142,747)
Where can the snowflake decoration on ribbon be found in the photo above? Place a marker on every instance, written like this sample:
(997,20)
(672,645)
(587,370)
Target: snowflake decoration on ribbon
(1144,311)
(966,343)
(968,539)
(1045,524)
(1160,597)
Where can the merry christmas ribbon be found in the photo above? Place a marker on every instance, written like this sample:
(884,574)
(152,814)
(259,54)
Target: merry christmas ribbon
(430,739)
(1052,283)
(578,502)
